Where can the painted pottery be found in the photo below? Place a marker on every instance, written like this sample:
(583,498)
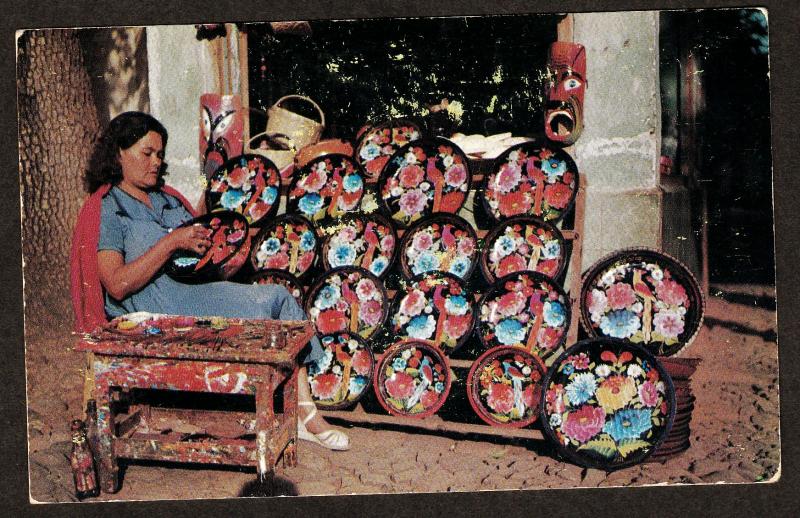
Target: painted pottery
(365,240)
(325,189)
(288,243)
(340,378)
(377,144)
(440,242)
(247,184)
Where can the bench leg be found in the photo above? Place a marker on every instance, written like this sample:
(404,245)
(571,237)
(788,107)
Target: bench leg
(266,424)
(290,415)
(105,459)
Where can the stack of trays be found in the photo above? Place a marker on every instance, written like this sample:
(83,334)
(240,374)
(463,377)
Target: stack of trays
(677,441)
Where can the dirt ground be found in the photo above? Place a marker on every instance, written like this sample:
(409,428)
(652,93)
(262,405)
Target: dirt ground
(735,436)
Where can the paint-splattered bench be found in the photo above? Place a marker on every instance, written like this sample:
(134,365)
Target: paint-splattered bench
(211,355)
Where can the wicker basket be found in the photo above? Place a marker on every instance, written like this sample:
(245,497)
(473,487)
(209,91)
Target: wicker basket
(301,130)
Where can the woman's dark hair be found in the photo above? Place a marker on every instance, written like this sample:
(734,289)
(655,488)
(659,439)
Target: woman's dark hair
(123,131)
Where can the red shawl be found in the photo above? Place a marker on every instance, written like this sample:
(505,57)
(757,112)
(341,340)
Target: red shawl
(85,288)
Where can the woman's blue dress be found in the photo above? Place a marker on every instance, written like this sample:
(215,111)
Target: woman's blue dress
(131,228)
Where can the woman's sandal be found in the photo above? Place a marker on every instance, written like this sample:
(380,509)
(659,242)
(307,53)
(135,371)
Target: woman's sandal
(331,439)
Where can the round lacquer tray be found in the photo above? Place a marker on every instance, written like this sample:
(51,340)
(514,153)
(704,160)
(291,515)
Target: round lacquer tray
(504,387)
(608,404)
(527,310)
(523,243)
(642,296)
(378,143)
(230,244)
(412,379)
(281,278)
(326,188)
(340,378)
(435,306)
(249,185)
(289,243)
(531,180)
(347,299)
(422,178)
(440,242)
(365,240)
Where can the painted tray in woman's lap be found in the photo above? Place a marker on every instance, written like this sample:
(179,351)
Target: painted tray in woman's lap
(326,188)
(249,185)
(365,240)
(289,243)
(523,243)
(340,378)
(347,299)
(504,387)
(531,180)
(440,242)
(230,244)
(412,379)
(377,145)
(434,306)
(281,278)
(524,309)
(642,296)
(608,404)
(423,178)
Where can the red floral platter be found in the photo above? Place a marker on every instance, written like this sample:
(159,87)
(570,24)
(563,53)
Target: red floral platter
(326,188)
(608,404)
(339,379)
(642,296)
(422,178)
(440,242)
(504,387)
(523,243)
(230,244)
(365,240)
(527,310)
(412,379)
(531,180)
(349,299)
(289,243)
(436,307)
(281,278)
(249,185)
(377,144)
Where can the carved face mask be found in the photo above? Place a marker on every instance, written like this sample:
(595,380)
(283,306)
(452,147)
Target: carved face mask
(221,127)
(564,90)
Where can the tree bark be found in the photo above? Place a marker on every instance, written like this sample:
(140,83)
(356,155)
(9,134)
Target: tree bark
(58,127)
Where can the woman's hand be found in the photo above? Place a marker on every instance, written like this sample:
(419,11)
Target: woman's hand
(195,238)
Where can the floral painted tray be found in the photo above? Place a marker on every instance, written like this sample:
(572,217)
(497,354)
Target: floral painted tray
(412,379)
(365,240)
(435,306)
(523,243)
(289,243)
(230,244)
(378,143)
(281,278)
(642,296)
(326,188)
(440,242)
(608,404)
(531,180)
(247,184)
(422,178)
(347,298)
(338,379)
(527,310)
(504,387)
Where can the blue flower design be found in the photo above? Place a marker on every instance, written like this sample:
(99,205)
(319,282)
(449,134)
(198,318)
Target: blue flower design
(421,327)
(353,183)
(551,250)
(271,246)
(456,305)
(357,384)
(554,313)
(581,388)
(322,364)
(183,262)
(370,151)
(341,255)
(426,261)
(629,423)
(504,246)
(568,369)
(310,203)
(439,387)
(645,365)
(399,364)
(554,169)
(460,266)
(620,323)
(269,195)
(307,241)
(378,265)
(232,198)
(510,331)
(328,297)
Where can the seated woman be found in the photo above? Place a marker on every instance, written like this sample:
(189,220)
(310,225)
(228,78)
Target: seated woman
(138,234)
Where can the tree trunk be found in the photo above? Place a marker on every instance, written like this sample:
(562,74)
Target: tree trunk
(58,127)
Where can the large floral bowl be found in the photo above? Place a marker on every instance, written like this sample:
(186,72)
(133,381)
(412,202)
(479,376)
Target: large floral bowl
(527,310)
(339,379)
(608,404)
(377,144)
(422,178)
(289,243)
(441,242)
(504,387)
(412,379)
(531,180)
(281,278)
(434,306)
(230,244)
(249,185)
(326,188)
(644,297)
(523,243)
(365,240)
(347,299)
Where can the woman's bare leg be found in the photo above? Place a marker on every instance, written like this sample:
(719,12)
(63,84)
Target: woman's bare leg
(317,424)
